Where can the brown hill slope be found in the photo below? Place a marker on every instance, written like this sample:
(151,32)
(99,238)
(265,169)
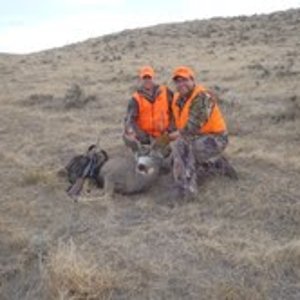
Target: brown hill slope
(239,240)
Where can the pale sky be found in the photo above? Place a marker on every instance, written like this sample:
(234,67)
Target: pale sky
(33,25)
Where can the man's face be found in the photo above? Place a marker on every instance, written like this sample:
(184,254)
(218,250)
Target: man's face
(184,85)
(147,82)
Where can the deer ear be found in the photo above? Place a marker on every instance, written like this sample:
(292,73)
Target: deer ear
(91,147)
(105,155)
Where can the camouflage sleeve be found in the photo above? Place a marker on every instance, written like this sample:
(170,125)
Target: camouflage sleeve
(199,113)
(170,96)
(132,114)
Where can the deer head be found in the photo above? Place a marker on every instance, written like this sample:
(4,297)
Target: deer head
(150,158)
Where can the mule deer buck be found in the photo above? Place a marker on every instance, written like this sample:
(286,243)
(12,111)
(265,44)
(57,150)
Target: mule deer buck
(137,173)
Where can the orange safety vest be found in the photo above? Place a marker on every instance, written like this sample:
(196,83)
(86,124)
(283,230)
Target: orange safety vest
(215,122)
(153,117)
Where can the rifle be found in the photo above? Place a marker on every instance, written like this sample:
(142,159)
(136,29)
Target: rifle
(75,189)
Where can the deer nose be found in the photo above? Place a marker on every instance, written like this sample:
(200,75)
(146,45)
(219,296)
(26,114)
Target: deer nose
(143,164)
(142,168)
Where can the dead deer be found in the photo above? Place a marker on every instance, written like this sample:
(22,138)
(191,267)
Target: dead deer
(137,173)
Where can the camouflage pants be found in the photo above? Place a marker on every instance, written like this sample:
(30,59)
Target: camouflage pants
(187,154)
(209,147)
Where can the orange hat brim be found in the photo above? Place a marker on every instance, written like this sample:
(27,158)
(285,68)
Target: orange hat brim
(183,72)
(146,74)
(146,71)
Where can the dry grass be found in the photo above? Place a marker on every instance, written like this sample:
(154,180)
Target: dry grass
(16,237)
(38,176)
(237,240)
(73,275)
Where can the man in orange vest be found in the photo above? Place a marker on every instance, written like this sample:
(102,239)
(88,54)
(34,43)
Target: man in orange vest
(149,111)
(201,134)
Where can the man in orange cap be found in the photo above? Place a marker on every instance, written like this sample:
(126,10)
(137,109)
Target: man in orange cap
(201,134)
(149,111)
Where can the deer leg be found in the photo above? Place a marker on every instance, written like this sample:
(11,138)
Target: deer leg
(109,189)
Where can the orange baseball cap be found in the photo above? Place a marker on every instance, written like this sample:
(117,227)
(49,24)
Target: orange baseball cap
(184,72)
(146,71)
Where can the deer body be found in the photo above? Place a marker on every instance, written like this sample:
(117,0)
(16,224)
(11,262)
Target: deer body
(128,175)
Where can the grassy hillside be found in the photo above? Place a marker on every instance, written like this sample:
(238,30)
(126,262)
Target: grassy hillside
(238,240)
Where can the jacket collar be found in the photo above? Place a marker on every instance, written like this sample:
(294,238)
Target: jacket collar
(149,95)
